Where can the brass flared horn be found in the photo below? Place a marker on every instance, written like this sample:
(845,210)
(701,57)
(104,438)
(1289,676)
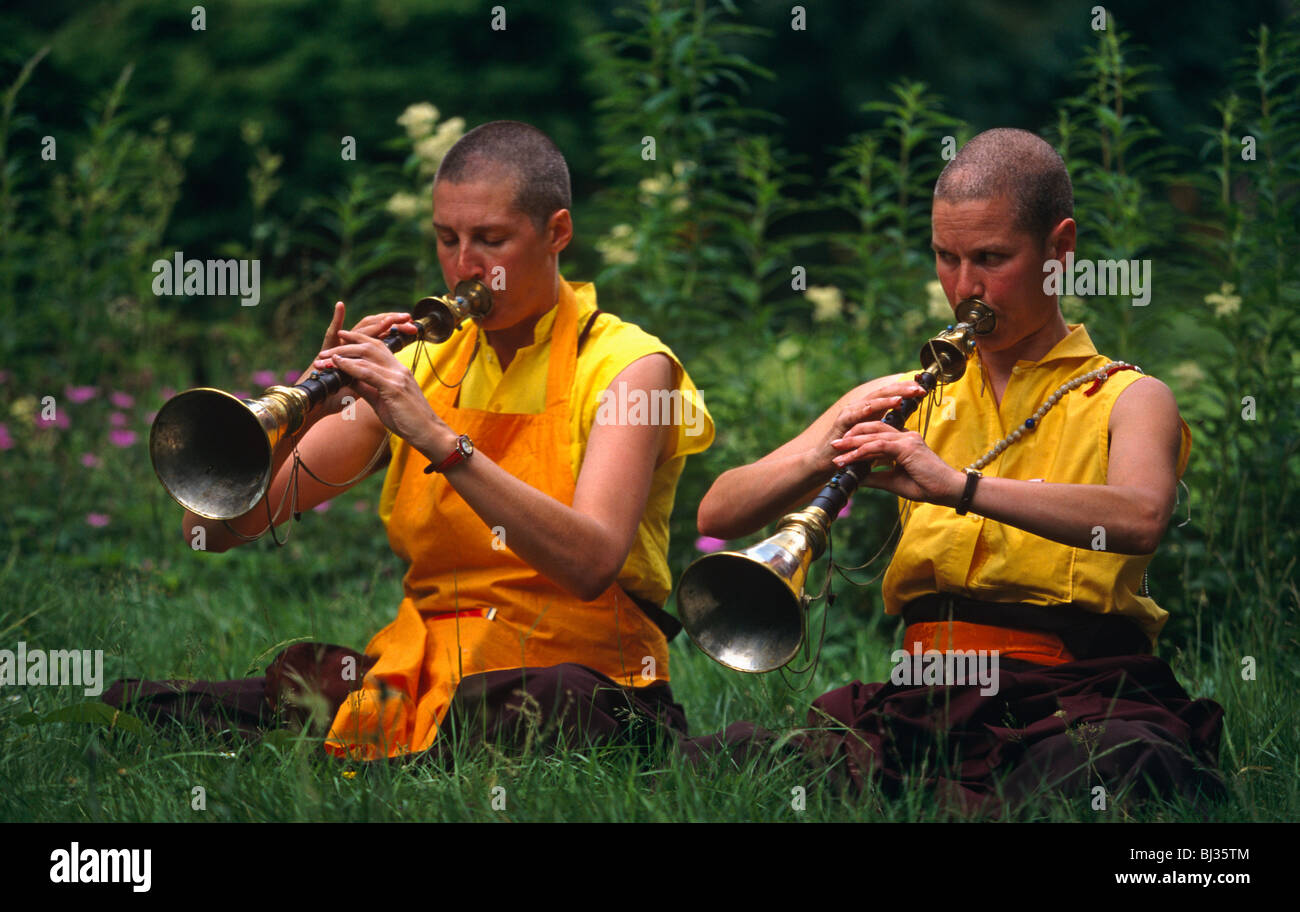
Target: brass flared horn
(747,609)
(212,451)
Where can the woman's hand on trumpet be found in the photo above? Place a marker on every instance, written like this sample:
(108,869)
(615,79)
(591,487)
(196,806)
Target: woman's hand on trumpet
(375,325)
(744,499)
(916,474)
(384,382)
(868,409)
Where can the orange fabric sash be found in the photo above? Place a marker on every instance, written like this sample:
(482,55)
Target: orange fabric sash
(1035,646)
(460,570)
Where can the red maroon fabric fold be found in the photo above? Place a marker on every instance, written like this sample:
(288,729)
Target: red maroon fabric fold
(1122,723)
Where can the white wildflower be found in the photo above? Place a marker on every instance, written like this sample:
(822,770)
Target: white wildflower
(827,302)
(652,187)
(431,149)
(1225,302)
(418,119)
(403,205)
(618,248)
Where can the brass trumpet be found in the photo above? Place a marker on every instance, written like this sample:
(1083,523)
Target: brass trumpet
(747,609)
(212,451)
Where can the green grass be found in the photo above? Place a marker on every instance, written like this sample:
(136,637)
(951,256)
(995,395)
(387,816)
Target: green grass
(209,616)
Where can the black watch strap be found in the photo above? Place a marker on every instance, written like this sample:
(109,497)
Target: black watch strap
(972,479)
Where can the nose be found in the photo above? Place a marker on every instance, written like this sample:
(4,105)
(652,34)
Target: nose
(469,265)
(970,281)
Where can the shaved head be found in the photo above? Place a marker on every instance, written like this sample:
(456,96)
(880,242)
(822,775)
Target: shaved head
(1015,164)
(508,149)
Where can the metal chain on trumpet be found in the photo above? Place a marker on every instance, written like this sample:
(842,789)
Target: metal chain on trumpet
(933,400)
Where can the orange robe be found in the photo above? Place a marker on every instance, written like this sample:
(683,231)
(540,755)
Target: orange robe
(472,606)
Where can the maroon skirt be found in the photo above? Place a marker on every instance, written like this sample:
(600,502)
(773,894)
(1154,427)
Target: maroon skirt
(1122,723)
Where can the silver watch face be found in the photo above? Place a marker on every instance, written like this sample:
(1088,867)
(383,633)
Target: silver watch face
(466,446)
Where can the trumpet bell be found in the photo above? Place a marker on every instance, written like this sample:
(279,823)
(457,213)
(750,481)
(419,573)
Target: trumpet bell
(746,609)
(741,611)
(211,452)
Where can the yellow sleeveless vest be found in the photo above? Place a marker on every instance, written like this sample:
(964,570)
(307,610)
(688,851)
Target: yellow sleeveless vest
(941,552)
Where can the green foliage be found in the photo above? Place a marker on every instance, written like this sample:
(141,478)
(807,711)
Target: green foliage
(14,242)
(686,169)
(1121,169)
(83,252)
(1248,306)
(883,179)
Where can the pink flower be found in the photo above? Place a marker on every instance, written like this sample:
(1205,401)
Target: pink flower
(290,378)
(117,419)
(120,438)
(80,394)
(122,400)
(60,420)
(241,394)
(321,507)
(708,544)
(148,419)
(166,392)
(90,460)
(845,512)
(360,506)
(6,442)
(98,520)
(264,378)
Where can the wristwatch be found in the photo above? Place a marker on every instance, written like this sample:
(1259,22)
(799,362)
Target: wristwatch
(972,479)
(464,450)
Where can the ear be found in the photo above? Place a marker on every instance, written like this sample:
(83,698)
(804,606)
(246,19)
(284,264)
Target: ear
(1061,240)
(559,230)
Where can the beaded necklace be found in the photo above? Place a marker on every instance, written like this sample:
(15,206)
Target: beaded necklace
(1099,375)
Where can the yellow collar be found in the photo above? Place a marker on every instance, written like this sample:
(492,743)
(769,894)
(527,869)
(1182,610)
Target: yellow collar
(1076,346)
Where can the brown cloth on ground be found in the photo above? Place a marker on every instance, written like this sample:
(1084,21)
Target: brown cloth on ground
(542,707)
(1124,723)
